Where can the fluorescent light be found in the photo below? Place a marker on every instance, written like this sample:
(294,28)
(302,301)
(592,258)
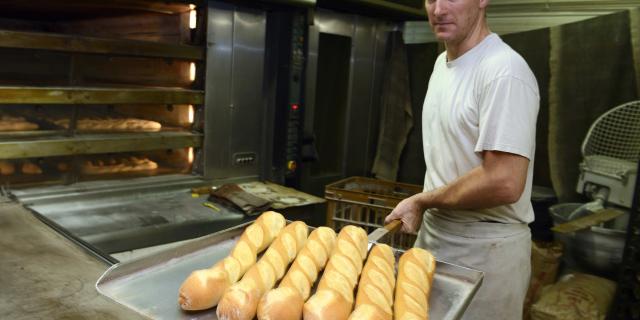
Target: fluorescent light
(191,114)
(192,17)
(192,71)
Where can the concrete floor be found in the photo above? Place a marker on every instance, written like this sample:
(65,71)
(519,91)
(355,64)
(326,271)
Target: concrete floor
(45,275)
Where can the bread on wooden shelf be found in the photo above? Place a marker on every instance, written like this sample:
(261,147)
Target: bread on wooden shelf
(124,164)
(31,168)
(9,123)
(110,124)
(7,168)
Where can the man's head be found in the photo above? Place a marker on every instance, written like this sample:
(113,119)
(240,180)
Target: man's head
(454,21)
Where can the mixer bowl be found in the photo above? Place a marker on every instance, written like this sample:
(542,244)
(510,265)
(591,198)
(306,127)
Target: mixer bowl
(598,249)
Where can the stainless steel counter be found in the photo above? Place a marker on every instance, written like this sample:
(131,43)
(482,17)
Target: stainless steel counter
(45,275)
(121,215)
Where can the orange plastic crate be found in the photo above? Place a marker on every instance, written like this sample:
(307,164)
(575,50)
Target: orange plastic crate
(365,202)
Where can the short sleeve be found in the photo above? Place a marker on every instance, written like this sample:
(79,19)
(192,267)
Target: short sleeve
(508,110)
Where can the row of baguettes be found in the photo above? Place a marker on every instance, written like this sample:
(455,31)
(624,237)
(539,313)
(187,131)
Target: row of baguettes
(9,123)
(12,124)
(110,124)
(8,168)
(125,164)
(242,286)
(117,165)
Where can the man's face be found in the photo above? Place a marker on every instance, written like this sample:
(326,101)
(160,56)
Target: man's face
(452,20)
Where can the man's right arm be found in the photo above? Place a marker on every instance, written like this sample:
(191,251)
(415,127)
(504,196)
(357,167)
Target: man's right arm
(498,181)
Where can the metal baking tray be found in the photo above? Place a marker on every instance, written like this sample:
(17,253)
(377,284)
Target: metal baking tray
(149,285)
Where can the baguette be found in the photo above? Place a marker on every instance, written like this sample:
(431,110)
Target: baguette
(334,296)
(111,124)
(17,126)
(415,275)
(6,168)
(62,166)
(286,302)
(31,168)
(204,288)
(240,301)
(131,164)
(374,300)
(9,123)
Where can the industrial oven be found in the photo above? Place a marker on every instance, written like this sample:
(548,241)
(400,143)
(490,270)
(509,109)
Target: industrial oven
(109,103)
(111,110)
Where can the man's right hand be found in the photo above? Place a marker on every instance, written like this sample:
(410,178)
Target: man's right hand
(409,212)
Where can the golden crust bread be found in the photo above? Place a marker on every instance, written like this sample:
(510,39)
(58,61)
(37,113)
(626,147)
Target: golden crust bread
(286,302)
(241,301)
(334,298)
(375,290)
(415,275)
(203,289)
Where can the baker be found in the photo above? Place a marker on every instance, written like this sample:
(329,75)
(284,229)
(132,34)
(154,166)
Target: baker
(478,121)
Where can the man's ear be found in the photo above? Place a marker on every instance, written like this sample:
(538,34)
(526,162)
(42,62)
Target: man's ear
(483,4)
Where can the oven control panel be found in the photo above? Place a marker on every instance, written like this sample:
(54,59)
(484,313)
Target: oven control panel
(294,112)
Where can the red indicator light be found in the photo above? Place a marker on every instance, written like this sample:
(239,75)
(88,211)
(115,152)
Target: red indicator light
(295,107)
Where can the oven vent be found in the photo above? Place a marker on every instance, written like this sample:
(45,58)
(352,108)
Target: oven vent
(244,158)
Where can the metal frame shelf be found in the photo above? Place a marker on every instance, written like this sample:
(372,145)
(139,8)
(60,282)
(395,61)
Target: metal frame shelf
(98,143)
(82,44)
(85,95)
(81,8)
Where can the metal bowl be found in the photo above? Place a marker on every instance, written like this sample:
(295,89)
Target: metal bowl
(598,249)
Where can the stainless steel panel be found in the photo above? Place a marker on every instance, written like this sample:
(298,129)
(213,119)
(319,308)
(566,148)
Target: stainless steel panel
(218,89)
(235,104)
(117,216)
(248,104)
(368,36)
(330,23)
(360,108)
(149,285)
(96,189)
(334,22)
(368,69)
(382,34)
(97,143)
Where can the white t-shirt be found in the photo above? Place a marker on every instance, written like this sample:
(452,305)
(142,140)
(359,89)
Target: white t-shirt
(486,99)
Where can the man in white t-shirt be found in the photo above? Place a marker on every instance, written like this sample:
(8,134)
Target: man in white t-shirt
(479,120)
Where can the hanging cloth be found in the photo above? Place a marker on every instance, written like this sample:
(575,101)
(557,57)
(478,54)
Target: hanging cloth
(396,117)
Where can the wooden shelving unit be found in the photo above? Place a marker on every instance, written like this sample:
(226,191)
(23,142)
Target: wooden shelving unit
(78,58)
(98,143)
(81,44)
(79,95)
(95,7)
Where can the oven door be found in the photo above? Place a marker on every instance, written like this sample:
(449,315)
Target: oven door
(343,77)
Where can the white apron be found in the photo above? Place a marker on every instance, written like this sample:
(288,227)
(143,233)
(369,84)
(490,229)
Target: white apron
(501,251)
